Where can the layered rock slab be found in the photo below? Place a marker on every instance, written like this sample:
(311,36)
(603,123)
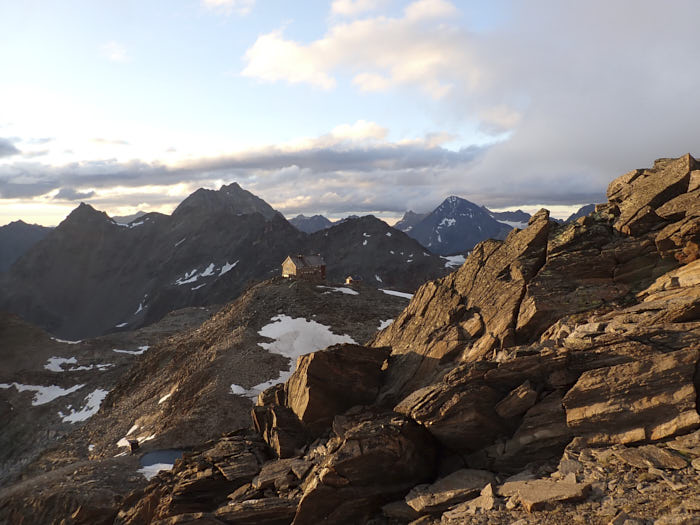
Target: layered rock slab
(648,399)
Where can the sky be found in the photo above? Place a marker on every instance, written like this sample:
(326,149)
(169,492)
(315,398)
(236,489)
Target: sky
(339,106)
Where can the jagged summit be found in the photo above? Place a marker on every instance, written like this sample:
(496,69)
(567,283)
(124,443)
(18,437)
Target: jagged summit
(409,220)
(229,199)
(455,226)
(85,214)
(310,224)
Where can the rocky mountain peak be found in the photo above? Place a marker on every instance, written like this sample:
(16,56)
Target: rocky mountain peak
(456,226)
(85,214)
(230,199)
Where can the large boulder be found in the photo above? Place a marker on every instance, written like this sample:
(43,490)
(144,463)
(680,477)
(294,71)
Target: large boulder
(330,381)
(639,193)
(375,459)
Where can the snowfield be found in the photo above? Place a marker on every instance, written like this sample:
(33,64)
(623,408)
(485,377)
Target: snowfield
(397,294)
(292,337)
(454,261)
(92,405)
(44,394)
(341,289)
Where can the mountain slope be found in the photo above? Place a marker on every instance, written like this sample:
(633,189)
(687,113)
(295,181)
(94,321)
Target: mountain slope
(16,238)
(310,224)
(367,248)
(91,276)
(456,226)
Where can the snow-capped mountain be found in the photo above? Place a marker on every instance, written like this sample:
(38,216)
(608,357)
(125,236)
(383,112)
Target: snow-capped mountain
(91,276)
(456,226)
(310,224)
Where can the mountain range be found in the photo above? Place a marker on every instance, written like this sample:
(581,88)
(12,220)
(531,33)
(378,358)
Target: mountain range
(552,378)
(91,275)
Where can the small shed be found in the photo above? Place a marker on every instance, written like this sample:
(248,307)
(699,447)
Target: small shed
(310,267)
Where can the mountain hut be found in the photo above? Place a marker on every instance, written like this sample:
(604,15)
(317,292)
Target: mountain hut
(309,267)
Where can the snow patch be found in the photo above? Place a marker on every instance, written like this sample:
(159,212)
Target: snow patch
(189,277)
(66,342)
(388,234)
(454,261)
(238,390)
(55,364)
(178,243)
(92,405)
(447,222)
(165,398)
(397,294)
(227,267)
(364,243)
(198,286)
(140,351)
(365,234)
(120,325)
(384,324)
(208,271)
(44,394)
(378,278)
(341,289)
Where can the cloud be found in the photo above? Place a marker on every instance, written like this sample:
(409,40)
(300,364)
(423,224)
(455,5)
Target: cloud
(71,194)
(110,142)
(355,7)
(417,49)
(353,167)
(115,52)
(7,148)
(240,7)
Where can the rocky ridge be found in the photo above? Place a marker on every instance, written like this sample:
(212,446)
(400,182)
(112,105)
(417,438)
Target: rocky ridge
(553,378)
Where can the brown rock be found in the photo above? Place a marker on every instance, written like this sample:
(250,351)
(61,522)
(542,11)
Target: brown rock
(458,411)
(380,457)
(280,428)
(651,456)
(540,493)
(517,402)
(459,486)
(461,513)
(543,434)
(648,399)
(281,473)
(267,511)
(330,381)
(638,194)
(400,510)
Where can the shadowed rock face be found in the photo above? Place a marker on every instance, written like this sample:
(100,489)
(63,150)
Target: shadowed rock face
(16,238)
(540,353)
